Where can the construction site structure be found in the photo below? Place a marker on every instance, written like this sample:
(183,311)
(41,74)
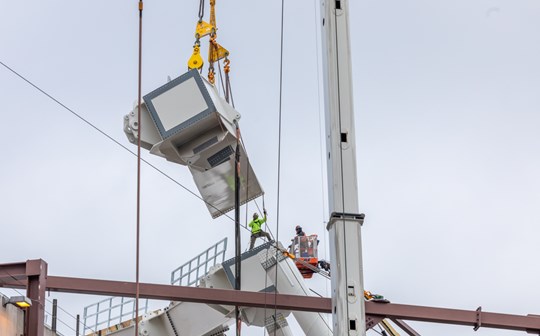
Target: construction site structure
(264,269)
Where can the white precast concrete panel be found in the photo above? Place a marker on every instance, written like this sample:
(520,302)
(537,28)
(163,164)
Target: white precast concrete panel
(187,95)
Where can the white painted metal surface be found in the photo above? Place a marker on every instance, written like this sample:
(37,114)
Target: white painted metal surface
(258,274)
(187,122)
(344,227)
(290,281)
(182,318)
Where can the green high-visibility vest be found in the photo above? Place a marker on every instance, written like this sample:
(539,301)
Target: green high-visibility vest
(256,224)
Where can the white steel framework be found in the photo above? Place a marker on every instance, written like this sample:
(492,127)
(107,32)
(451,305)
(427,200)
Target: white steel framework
(344,225)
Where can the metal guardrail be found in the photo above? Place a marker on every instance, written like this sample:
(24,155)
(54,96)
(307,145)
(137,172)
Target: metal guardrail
(190,273)
(110,311)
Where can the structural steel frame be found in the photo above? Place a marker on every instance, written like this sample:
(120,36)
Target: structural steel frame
(32,275)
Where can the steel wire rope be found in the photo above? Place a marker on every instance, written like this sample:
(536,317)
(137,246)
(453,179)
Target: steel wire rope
(221,78)
(322,152)
(138,227)
(80,117)
(60,320)
(255,200)
(201,10)
(34,300)
(267,227)
(279,155)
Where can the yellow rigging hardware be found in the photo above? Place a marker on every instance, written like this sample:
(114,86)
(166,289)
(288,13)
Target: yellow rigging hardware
(215,51)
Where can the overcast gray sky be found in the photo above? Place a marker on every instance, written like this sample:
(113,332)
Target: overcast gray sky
(447,113)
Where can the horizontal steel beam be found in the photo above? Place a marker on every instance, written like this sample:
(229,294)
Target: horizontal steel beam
(13,271)
(189,294)
(473,318)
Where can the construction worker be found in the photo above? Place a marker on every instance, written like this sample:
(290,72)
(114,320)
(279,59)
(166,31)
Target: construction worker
(299,231)
(256,230)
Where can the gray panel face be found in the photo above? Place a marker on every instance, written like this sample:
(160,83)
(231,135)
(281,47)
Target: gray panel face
(186,95)
(179,104)
(216,185)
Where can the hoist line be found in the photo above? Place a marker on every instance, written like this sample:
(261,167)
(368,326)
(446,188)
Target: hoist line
(138,236)
(254,201)
(266,225)
(201,10)
(221,79)
(322,152)
(279,154)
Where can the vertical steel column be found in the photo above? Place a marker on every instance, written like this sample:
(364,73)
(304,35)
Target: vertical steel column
(36,272)
(54,315)
(238,251)
(348,309)
(77,326)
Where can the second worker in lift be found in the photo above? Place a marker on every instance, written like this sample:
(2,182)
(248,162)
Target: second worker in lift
(256,230)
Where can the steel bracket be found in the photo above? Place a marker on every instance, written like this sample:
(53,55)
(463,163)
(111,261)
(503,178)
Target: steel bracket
(372,320)
(344,216)
(478,323)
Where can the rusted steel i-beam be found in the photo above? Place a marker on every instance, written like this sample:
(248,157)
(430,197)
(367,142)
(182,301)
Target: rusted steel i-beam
(36,272)
(12,272)
(188,294)
(528,323)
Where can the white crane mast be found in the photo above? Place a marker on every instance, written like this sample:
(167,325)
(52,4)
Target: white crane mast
(345,222)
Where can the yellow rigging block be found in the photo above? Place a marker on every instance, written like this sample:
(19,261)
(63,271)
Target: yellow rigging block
(215,51)
(195,61)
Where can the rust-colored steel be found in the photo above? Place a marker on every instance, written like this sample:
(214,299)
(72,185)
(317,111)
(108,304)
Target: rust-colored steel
(405,327)
(12,271)
(372,321)
(188,294)
(454,316)
(35,290)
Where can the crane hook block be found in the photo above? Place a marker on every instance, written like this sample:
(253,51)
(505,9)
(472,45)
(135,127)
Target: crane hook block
(195,61)
(203,28)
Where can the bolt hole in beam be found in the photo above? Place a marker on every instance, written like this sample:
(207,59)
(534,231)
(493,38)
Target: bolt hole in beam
(343,137)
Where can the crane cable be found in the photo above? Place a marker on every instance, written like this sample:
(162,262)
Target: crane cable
(279,156)
(137,248)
